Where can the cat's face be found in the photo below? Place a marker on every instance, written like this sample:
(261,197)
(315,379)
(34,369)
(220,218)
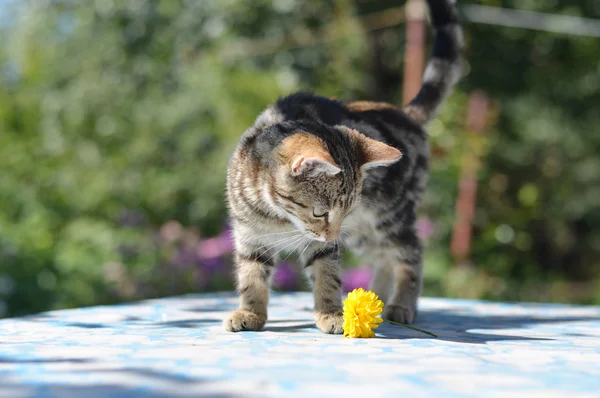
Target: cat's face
(318,203)
(314,192)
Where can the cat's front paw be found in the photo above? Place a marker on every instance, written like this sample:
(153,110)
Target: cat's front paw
(399,313)
(331,323)
(240,320)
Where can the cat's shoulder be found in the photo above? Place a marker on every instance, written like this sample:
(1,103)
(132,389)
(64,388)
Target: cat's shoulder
(306,105)
(302,98)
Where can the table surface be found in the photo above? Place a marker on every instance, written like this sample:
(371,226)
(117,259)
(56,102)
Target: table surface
(175,347)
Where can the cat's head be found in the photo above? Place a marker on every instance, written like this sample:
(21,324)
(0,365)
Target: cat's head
(318,178)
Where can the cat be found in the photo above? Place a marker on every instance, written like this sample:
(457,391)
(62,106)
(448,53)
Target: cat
(313,171)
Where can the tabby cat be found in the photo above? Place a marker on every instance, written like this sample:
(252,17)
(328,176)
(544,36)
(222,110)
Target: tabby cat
(313,171)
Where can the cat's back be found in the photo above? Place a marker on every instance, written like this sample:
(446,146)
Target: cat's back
(365,116)
(303,106)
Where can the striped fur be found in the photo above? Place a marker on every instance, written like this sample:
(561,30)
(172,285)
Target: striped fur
(313,171)
(444,67)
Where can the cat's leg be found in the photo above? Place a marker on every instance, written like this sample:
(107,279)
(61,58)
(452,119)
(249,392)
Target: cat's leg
(254,268)
(395,254)
(322,268)
(381,283)
(363,242)
(401,255)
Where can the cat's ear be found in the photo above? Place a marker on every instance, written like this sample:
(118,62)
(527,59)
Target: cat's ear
(374,153)
(307,154)
(313,166)
(378,154)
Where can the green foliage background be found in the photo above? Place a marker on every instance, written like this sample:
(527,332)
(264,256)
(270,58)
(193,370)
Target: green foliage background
(117,118)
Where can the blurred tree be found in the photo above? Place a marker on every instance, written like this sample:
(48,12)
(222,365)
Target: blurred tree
(117,117)
(542,184)
(538,208)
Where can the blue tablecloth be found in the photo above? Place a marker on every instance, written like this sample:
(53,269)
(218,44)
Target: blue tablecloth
(176,347)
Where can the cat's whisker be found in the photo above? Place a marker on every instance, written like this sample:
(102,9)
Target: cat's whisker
(364,200)
(275,247)
(347,227)
(272,245)
(293,250)
(279,241)
(276,238)
(283,248)
(340,240)
(272,234)
(369,202)
(351,229)
(302,252)
(300,242)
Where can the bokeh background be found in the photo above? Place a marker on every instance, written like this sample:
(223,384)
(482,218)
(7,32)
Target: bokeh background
(117,119)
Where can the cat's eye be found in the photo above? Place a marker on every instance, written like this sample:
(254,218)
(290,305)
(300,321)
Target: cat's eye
(319,212)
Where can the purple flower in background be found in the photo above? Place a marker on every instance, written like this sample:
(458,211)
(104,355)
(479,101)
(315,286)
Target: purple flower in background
(212,264)
(425,228)
(184,257)
(285,277)
(215,247)
(356,277)
(227,239)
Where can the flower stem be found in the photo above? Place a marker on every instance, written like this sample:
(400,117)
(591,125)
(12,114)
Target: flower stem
(411,327)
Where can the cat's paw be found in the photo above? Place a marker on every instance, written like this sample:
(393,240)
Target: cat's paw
(399,313)
(331,323)
(240,320)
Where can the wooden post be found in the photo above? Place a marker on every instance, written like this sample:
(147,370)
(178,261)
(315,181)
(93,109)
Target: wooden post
(477,115)
(415,12)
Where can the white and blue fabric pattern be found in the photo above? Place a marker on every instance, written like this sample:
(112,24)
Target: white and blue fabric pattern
(176,347)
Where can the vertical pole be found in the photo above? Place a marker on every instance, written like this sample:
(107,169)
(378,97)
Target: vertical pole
(415,12)
(477,115)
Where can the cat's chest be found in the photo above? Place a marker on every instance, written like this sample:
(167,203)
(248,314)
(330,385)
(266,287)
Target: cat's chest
(271,238)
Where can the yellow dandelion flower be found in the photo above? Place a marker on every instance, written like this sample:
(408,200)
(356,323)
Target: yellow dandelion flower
(361,310)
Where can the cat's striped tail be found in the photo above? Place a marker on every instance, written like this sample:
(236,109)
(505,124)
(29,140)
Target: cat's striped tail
(444,67)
